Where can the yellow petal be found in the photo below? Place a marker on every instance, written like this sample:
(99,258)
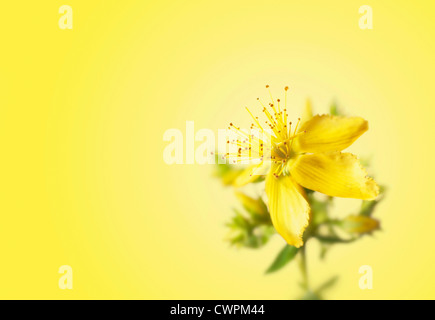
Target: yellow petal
(329,133)
(255,206)
(251,174)
(359,224)
(336,174)
(288,208)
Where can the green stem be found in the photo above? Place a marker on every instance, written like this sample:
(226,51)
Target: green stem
(303,267)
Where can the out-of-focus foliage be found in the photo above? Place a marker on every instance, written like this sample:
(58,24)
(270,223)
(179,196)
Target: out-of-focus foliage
(252,228)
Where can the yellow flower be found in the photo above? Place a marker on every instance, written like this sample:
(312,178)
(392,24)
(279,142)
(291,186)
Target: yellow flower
(309,156)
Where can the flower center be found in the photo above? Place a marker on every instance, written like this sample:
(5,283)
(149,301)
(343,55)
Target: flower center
(271,141)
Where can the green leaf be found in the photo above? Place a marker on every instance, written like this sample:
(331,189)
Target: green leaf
(326,285)
(333,239)
(368,206)
(285,256)
(309,295)
(319,210)
(334,110)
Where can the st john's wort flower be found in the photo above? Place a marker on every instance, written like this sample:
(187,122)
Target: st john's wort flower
(294,157)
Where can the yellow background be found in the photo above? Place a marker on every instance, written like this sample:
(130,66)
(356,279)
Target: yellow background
(82,117)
